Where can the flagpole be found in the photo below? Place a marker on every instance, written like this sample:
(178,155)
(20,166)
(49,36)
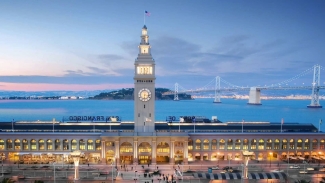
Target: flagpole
(320,122)
(281,124)
(12,125)
(144,17)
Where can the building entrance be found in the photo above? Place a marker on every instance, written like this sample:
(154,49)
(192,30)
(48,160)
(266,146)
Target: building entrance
(144,159)
(126,159)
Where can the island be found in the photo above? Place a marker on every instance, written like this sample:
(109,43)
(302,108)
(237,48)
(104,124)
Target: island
(127,94)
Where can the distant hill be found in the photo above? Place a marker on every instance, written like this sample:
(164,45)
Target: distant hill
(127,94)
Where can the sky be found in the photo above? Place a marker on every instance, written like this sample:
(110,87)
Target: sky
(92,45)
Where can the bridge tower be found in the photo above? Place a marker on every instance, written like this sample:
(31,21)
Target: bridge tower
(315,89)
(217,91)
(176,92)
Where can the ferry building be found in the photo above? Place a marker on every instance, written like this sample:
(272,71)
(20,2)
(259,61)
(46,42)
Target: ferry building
(107,140)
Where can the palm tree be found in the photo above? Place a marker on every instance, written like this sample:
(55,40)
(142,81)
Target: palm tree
(323,181)
(7,180)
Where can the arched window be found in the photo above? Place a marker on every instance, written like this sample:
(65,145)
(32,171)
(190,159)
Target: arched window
(222,144)
(229,144)
(82,144)
(307,144)
(90,144)
(163,147)
(322,144)
(41,144)
(145,147)
(33,144)
(98,145)
(253,144)
(49,144)
(299,144)
(57,144)
(206,144)
(245,144)
(284,144)
(17,144)
(2,144)
(190,144)
(237,144)
(9,144)
(25,144)
(261,144)
(268,144)
(126,147)
(315,144)
(65,144)
(198,144)
(73,144)
(292,144)
(276,144)
(214,144)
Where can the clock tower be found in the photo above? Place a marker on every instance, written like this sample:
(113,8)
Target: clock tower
(144,87)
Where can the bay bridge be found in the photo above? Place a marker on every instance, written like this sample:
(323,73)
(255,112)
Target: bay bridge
(255,91)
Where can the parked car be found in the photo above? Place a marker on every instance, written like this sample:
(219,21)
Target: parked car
(294,166)
(322,170)
(215,168)
(276,170)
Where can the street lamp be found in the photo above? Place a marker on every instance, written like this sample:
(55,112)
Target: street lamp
(2,158)
(76,157)
(270,157)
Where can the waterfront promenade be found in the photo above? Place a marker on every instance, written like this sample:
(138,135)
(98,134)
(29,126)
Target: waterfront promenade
(101,173)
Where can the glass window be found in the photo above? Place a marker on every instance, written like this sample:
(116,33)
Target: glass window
(190,144)
(307,144)
(17,144)
(49,144)
(163,147)
(206,145)
(57,145)
(2,144)
(65,144)
(214,144)
(82,144)
(98,145)
(25,144)
(222,144)
(73,144)
(41,144)
(33,144)
(90,144)
(198,144)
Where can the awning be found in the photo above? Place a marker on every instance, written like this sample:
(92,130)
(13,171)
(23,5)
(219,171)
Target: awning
(229,176)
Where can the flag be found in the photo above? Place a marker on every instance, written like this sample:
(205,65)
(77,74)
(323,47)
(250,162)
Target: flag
(320,121)
(147,13)
(282,121)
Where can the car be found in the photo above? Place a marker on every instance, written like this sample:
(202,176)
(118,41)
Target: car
(294,166)
(215,168)
(276,170)
(322,170)
(303,172)
(310,169)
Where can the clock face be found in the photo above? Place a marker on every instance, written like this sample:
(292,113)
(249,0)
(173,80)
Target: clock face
(144,94)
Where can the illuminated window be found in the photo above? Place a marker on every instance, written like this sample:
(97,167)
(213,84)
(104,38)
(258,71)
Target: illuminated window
(9,144)
(49,144)
(321,144)
(299,144)
(284,144)
(261,144)
(126,147)
(222,144)
(41,144)
(292,144)
(25,144)
(145,147)
(190,144)
(276,144)
(214,144)
(229,144)
(57,144)
(2,144)
(198,144)
(206,144)
(98,145)
(307,145)
(253,144)
(65,144)
(163,147)
(82,144)
(315,144)
(33,144)
(237,144)
(73,144)
(17,144)
(245,144)
(90,144)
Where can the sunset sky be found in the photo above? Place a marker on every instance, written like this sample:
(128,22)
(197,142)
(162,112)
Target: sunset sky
(92,45)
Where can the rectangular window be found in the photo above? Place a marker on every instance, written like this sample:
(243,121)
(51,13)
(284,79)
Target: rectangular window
(214,147)
(205,147)
(33,146)
(276,146)
(41,147)
(253,146)
(229,147)
(49,146)
(245,146)
(222,146)
(237,146)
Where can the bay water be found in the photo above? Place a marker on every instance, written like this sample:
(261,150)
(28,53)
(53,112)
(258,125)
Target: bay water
(229,110)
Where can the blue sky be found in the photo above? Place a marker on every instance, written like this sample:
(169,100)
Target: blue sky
(90,45)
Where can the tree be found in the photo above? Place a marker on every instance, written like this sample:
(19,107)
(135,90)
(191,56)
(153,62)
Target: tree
(7,180)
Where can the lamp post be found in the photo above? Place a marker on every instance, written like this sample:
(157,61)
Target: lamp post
(270,157)
(76,157)
(54,172)
(218,158)
(2,158)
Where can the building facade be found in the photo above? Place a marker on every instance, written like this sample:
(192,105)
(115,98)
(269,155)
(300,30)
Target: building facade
(156,142)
